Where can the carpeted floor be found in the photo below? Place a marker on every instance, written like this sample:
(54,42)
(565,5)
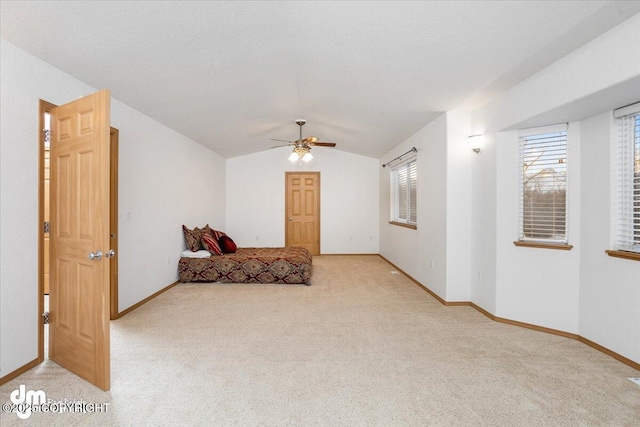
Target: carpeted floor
(360,347)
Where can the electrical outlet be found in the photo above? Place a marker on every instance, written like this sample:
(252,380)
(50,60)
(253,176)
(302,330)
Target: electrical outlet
(479,274)
(127,215)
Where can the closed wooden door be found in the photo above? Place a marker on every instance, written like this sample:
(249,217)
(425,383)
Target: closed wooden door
(302,220)
(79,201)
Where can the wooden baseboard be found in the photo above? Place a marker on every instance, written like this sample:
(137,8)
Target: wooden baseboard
(526,325)
(348,255)
(147,299)
(538,328)
(35,362)
(408,276)
(429,291)
(613,354)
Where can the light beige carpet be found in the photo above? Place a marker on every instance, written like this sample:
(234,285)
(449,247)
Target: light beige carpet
(360,347)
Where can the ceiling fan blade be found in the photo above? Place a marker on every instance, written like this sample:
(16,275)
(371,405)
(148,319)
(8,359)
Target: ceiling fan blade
(303,143)
(323,144)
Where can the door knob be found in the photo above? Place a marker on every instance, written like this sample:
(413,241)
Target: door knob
(110,254)
(290,219)
(97,255)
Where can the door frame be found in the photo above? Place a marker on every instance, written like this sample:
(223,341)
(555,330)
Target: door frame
(114,141)
(286,204)
(44,107)
(114,134)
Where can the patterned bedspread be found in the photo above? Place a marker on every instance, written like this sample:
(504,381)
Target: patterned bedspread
(250,265)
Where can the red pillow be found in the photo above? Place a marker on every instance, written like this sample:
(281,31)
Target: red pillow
(227,245)
(211,244)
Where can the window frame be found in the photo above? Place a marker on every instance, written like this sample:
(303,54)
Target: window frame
(621,232)
(524,136)
(395,192)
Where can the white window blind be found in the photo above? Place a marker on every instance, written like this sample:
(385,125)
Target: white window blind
(543,184)
(627,160)
(404,179)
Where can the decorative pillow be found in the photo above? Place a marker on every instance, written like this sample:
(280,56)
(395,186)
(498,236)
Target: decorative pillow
(192,238)
(215,233)
(208,230)
(218,234)
(211,244)
(227,245)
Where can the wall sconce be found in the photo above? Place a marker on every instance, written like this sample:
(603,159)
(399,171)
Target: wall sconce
(475,142)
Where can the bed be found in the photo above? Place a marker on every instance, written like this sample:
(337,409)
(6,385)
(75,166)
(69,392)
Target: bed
(250,265)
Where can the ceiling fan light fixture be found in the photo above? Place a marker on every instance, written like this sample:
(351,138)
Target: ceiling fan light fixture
(302,147)
(301,153)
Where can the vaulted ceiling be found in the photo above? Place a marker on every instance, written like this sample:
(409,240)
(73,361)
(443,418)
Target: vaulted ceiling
(367,75)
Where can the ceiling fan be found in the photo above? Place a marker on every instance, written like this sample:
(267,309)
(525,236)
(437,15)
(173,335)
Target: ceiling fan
(302,147)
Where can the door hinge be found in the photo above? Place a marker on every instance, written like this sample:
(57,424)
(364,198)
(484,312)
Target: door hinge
(46,226)
(47,137)
(45,317)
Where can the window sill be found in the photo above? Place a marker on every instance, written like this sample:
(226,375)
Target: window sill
(540,245)
(624,254)
(402,224)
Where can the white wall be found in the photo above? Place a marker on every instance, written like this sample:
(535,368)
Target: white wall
(459,157)
(165,180)
(609,287)
(538,286)
(156,164)
(483,222)
(348,199)
(581,291)
(443,209)
(413,250)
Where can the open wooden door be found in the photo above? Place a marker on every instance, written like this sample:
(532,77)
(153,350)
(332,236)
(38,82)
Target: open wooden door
(302,221)
(79,238)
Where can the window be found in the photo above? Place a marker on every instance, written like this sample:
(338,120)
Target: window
(404,178)
(627,180)
(543,185)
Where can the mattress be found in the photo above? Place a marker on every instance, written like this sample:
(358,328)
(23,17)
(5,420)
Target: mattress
(250,265)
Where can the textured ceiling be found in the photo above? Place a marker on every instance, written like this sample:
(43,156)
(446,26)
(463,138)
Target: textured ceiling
(367,75)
